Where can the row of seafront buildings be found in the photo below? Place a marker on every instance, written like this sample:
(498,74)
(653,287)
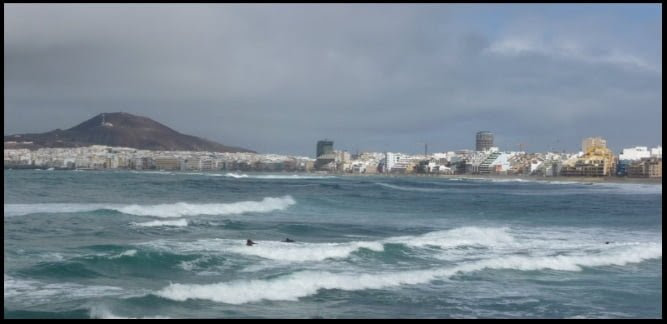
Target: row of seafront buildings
(594,160)
(104,157)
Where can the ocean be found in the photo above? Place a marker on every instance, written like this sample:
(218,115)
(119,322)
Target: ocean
(124,244)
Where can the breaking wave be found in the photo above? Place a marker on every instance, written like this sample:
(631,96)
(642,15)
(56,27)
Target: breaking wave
(33,292)
(177,223)
(236,175)
(275,176)
(280,251)
(186,209)
(180,209)
(493,240)
(25,209)
(299,252)
(128,253)
(463,236)
(306,283)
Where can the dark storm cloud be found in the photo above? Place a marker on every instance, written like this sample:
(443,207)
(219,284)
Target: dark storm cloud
(276,78)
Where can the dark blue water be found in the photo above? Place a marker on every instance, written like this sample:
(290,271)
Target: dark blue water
(162,244)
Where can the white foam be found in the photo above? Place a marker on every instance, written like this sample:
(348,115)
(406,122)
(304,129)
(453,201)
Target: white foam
(31,292)
(52,256)
(455,245)
(490,238)
(620,256)
(236,175)
(191,265)
(128,253)
(501,180)
(152,172)
(178,223)
(305,283)
(275,176)
(559,182)
(293,176)
(462,236)
(25,209)
(179,209)
(103,312)
(299,252)
(280,251)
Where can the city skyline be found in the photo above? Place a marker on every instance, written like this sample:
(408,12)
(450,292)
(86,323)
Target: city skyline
(489,143)
(277,78)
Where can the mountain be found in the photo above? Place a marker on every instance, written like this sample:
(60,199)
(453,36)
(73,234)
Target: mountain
(119,129)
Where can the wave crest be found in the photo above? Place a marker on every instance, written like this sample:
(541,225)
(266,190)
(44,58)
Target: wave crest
(177,223)
(180,209)
(461,236)
(275,176)
(306,283)
(298,252)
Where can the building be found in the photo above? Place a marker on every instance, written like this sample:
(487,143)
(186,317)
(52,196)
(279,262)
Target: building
(646,168)
(590,142)
(630,155)
(326,157)
(635,153)
(390,159)
(657,152)
(596,161)
(208,164)
(485,166)
(167,163)
(191,164)
(324,147)
(483,141)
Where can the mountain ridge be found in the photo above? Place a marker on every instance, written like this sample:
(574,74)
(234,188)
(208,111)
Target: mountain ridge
(119,129)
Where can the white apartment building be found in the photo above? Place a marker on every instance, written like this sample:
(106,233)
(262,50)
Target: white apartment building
(634,153)
(657,152)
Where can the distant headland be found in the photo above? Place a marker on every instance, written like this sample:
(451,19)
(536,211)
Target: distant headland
(121,130)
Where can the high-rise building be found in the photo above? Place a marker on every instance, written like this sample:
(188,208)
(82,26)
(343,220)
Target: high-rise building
(324,147)
(593,142)
(483,141)
(325,155)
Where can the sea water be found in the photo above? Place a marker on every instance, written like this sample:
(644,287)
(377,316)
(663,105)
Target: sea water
(119,244)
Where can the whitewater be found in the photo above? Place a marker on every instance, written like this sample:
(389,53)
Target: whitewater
(127,244)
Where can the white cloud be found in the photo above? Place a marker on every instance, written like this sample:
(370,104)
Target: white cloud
(568,49)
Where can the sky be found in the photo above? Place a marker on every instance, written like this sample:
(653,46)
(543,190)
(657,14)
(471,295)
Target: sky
(276,78)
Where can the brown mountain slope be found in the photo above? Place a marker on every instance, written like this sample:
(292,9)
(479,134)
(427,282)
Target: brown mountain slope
(120,129)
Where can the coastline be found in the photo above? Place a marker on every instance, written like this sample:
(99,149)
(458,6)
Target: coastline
(587,180)
(653,181)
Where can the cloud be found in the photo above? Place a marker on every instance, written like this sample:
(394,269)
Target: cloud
(568,49)
(277,78)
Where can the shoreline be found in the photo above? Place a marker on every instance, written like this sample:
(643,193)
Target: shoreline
(587,180)
(520,178)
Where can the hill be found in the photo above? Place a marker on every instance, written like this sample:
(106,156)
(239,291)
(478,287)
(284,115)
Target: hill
(119,129)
